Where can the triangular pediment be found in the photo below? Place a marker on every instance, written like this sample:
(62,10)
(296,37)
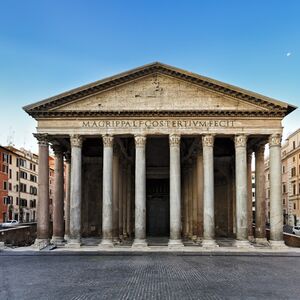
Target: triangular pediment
(158,92)
(158,88)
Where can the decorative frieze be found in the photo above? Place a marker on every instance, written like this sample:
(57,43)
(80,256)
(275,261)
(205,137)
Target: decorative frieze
(140,140)
(240,140)
(208,140)
(174,140)
(275,140)
(76,140)
(108,140)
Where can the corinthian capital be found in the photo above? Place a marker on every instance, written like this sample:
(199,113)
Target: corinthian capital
(275,140)
(240,140)
(108,140)
(208,140)
(43,138)
(140,140)
(57,148)
(174,140)
(76,140)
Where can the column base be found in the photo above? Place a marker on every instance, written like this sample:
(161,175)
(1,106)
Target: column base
(66,237)
(251,238)
(139,243)
(106,244)
(41,243)
(242,244)
(209,244)
(57,240)
(278,245)
(175,244)
(262,241)
(73,243)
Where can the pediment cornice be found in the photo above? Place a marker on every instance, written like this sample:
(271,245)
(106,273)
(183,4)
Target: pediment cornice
(43,108)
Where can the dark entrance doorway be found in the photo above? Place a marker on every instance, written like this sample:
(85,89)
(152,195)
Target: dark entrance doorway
(158,208)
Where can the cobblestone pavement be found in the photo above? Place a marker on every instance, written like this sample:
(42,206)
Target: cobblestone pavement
(149,276)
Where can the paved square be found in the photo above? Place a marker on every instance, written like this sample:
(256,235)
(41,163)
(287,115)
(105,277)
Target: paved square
(149,276)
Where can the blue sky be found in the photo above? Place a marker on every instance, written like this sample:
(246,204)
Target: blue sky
(47,47)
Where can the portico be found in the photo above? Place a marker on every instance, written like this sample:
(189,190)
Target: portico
(159,151)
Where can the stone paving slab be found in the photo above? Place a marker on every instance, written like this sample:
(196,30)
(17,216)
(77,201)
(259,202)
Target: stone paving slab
(148,276)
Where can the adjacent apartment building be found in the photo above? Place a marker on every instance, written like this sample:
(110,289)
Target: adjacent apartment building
(290,154)
(19,184)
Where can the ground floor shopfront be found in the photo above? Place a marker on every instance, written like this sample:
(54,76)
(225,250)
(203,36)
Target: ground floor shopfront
(159,152)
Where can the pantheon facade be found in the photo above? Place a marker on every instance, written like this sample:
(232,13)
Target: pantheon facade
(159,152)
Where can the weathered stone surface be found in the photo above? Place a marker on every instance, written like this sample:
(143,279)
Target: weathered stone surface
(159,92)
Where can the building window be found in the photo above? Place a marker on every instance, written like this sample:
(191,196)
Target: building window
(293,170)
(294,189)
(294,205)
(23,187)
(17,175)
(23,175)
(283,188)
(5,185)
(294,158)
(283,169)
(294,144)
(9,186)
(283,201)
(17,201)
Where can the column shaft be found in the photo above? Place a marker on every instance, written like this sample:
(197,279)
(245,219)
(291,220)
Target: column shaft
(115,194)
(260,197)
(185,202)
(75,201)
(58,199)
(140,191)
(43,221)
(249,195)
(124,172)
(200,191)
(129,200)
(276,217)
(175,192)
(107,191)
(241,190)
(190,199)
(120,193)
(208,192)
(195,200)
(68,190)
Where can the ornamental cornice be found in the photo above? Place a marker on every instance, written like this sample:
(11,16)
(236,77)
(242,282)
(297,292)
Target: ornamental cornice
(159,113)
(275,140)
(156,68)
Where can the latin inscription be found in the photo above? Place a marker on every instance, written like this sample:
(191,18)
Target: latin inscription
(157,123)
